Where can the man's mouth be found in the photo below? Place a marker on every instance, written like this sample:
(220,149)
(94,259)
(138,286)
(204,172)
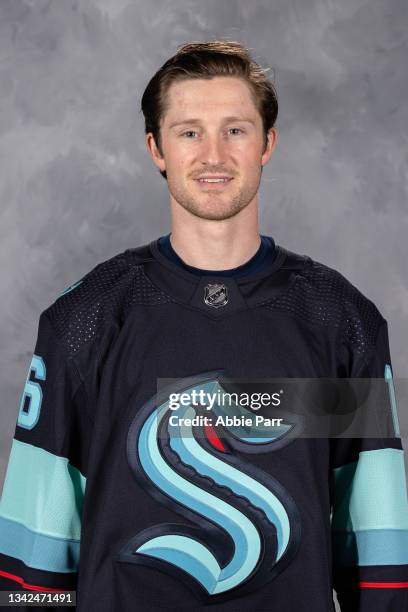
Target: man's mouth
(218,181)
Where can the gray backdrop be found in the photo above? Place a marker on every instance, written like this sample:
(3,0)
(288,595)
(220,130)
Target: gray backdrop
(77,184)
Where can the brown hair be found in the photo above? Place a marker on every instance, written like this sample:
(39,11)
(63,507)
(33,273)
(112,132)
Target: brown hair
(205,60)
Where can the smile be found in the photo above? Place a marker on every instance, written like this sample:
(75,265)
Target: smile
(213,182)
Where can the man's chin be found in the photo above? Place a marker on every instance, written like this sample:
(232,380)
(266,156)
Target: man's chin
(210,206)
(214,214)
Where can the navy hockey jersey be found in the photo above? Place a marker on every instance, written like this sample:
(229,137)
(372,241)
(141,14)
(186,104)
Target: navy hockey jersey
(101,496)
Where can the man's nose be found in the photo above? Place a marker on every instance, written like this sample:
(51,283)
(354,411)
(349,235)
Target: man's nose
(213,151)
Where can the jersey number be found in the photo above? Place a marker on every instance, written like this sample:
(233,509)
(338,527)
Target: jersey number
(31,400)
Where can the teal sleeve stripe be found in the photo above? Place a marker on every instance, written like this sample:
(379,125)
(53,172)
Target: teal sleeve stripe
(37,550)
(373,547)
(43,492)
(371,493)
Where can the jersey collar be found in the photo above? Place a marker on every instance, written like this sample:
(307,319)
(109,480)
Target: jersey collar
(217,296)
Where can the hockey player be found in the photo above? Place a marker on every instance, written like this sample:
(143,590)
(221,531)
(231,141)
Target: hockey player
(104,496)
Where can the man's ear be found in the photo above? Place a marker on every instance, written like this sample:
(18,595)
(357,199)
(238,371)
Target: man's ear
(155,152)
(272,139)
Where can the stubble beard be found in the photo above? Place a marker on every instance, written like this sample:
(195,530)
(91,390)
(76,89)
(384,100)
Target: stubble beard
(212,206)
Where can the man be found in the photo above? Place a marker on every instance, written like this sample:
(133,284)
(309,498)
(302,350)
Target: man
(104,494)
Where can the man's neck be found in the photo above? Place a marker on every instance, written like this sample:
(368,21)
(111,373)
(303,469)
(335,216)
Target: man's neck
(216,254)
(212,244)
(262,258)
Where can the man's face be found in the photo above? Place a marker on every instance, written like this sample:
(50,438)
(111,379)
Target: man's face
(212,127)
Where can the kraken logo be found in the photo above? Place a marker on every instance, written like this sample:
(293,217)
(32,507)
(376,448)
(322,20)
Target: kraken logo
(244,527)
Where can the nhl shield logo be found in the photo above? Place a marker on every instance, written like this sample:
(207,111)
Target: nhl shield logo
(215,295)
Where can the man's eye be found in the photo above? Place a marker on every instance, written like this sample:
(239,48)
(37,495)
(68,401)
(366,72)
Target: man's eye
(236,129)
(189,132)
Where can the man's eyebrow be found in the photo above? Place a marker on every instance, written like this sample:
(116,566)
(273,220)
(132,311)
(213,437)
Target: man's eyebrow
(196,121)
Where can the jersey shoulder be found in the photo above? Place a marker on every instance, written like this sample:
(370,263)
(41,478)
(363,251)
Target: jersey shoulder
(83,312)
(323,296)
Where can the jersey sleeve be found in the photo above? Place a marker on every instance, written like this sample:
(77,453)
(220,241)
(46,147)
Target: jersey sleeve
(369,503)
(43,492)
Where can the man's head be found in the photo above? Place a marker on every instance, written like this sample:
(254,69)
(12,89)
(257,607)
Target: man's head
(210,111)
